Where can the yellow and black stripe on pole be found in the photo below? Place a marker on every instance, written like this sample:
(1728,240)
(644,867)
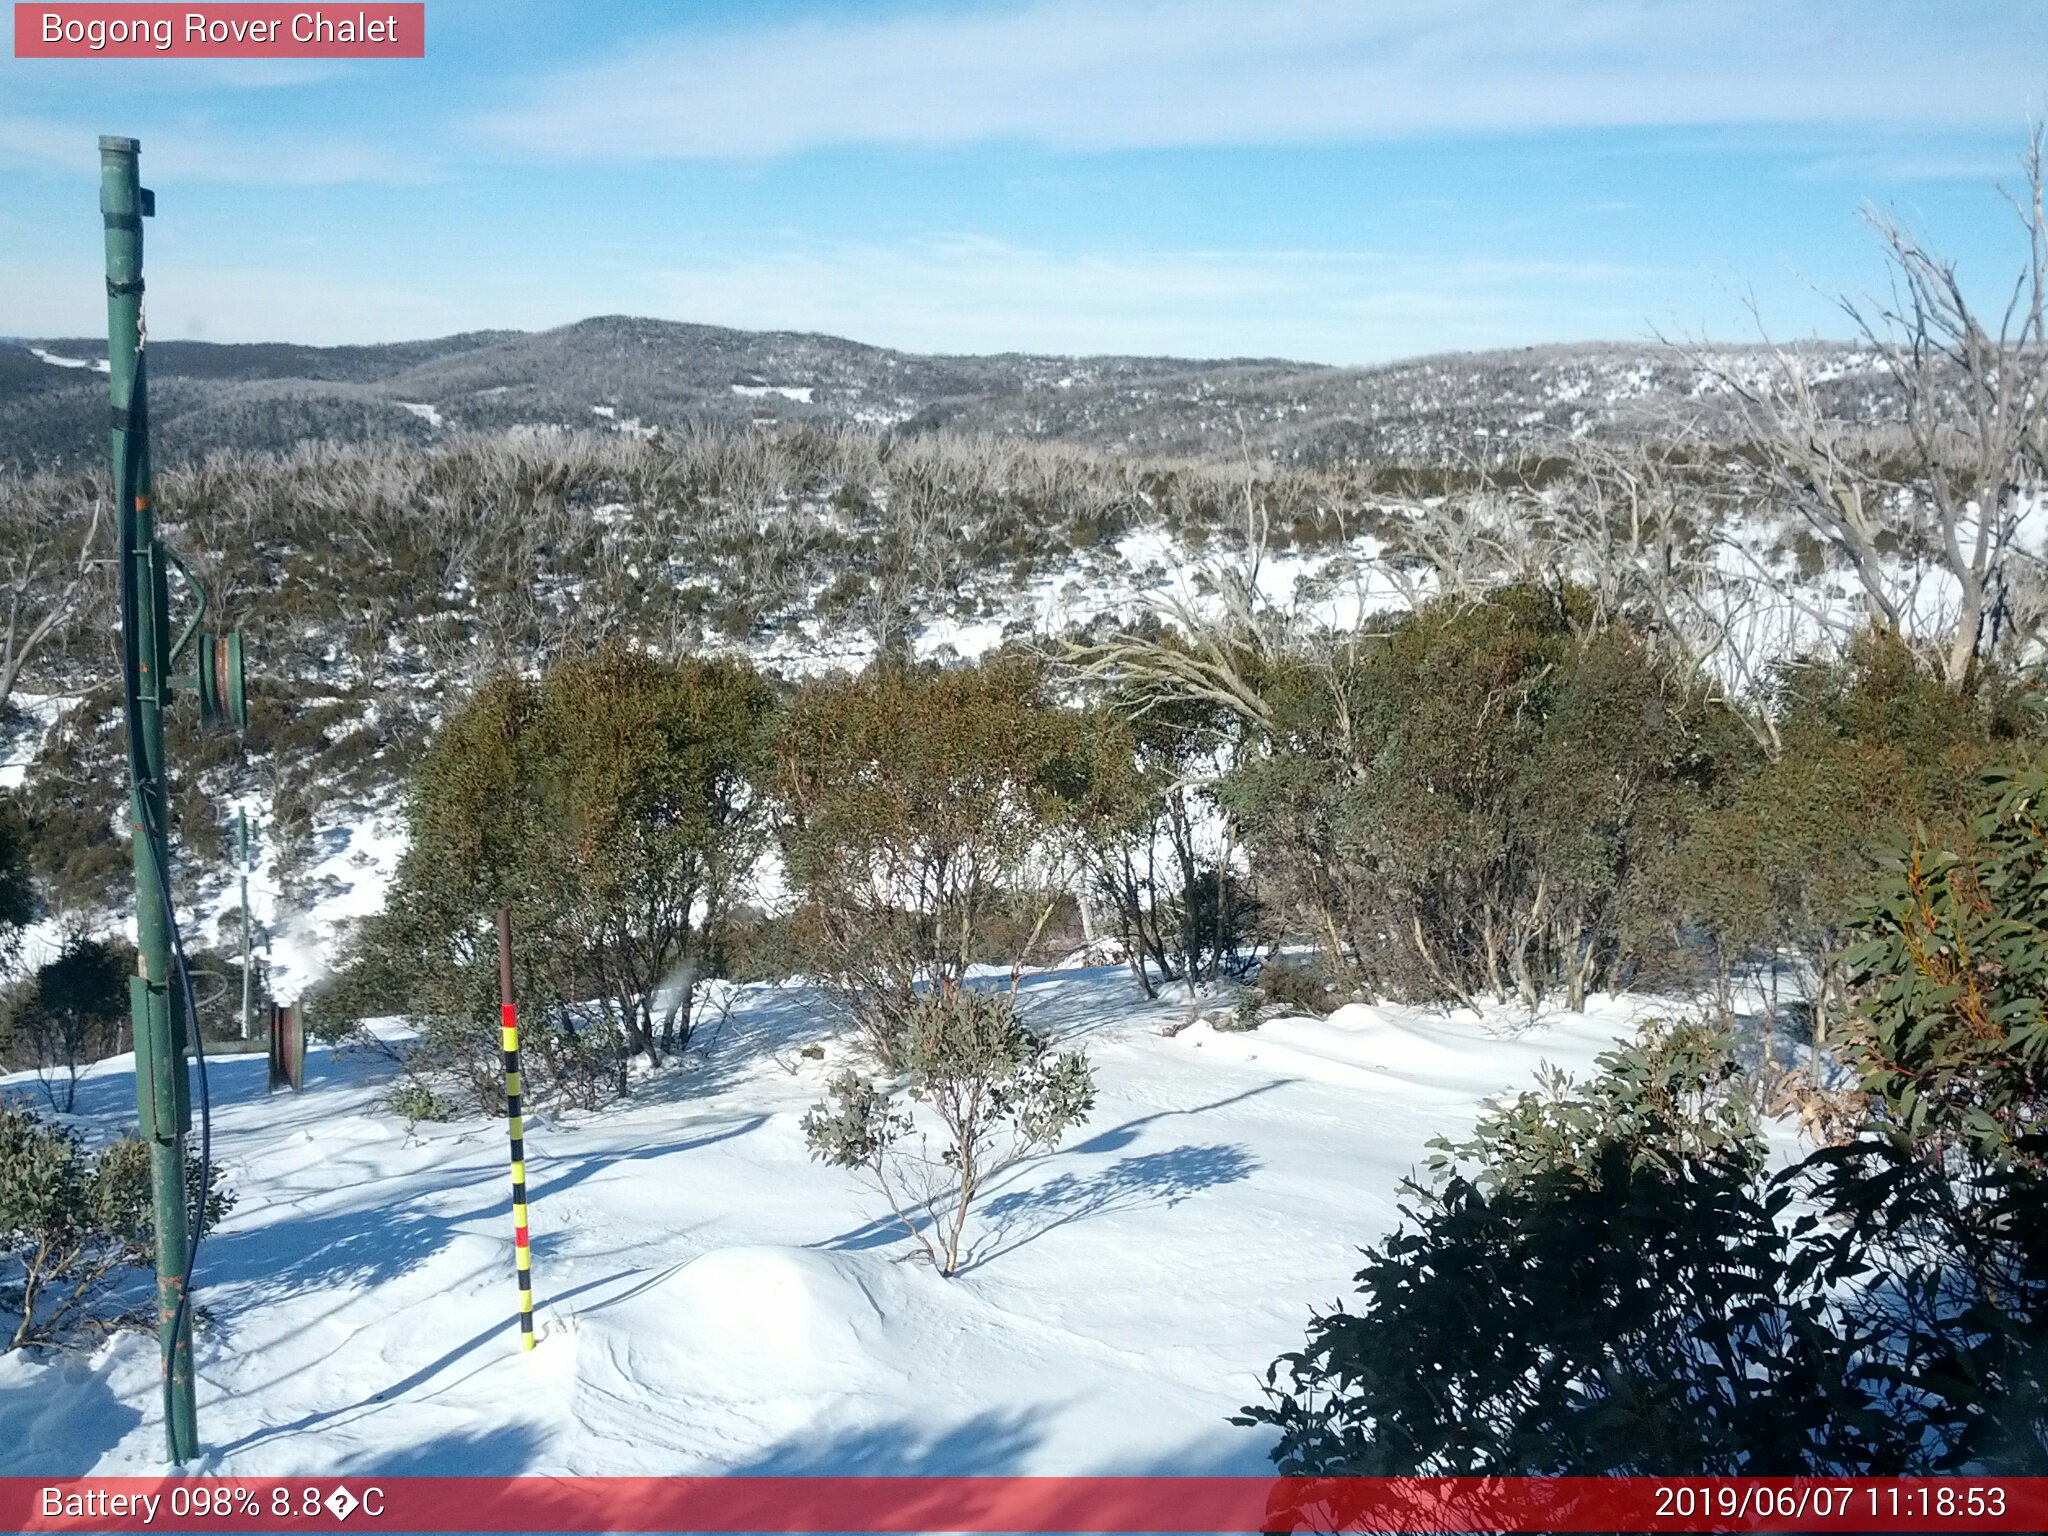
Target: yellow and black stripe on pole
(508,1025)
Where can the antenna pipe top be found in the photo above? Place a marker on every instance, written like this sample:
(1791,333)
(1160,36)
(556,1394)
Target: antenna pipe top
(112,145)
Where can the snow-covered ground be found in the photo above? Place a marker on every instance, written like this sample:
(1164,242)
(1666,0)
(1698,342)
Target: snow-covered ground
(711,1300)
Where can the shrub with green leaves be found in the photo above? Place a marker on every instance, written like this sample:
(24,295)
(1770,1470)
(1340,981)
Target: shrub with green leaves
(1466,799)
(916,803)
(1600,1282)
(17,888)
(997,1091)
(1940,1208)
(1606,1278)
(413,1099)
(1772,865)
(1949,965)
(613,807)
(1299,984)
(73,1221)
(70,1013)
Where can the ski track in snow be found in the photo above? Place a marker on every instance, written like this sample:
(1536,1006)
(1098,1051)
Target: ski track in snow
(710,1300)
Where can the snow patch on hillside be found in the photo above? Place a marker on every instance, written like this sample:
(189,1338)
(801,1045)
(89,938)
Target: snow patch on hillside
(97,365)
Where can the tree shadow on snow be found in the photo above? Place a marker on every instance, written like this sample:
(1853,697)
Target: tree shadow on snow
(363,1246)
(1157,1168)
(1005,1442)
(67,1421)
(1149,1178)
(501,1330)
(552,1176)
(499,1451)
(991,1443)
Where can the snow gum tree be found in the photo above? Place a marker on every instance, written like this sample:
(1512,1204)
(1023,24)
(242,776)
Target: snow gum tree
(997,1092)
(915,803)
(1464,799)
(1134,793)
(613,807)
(1947,487)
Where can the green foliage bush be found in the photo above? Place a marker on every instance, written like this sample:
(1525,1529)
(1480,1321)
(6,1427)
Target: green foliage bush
(1871,746)
(1950,965)
(1299,985)
(1599,1283)
(914,801)
(70,1013)
(1466,799)
(73,1220)
(997,1090)
(1608,1280)
(414,1100)
(613,808)
(1942,1204)
(18,904)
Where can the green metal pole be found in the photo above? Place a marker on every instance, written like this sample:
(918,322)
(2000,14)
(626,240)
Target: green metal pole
(160,1090)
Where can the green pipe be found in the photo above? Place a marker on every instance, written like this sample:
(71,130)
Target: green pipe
(146,651)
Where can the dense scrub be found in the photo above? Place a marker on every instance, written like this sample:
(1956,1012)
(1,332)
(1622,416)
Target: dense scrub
(612,811)
(1467,798)
(70,1011)
(1872,748)
(74,1223)
(1608,1279)
(918,807)
(379,584)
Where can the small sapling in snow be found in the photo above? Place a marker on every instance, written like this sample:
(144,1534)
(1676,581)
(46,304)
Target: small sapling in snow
(997,1090)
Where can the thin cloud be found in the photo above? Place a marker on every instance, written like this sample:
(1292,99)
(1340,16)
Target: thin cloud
(971,294)
(959,294)
(1134,74)
(39,144)
(318,305)
(1875,166)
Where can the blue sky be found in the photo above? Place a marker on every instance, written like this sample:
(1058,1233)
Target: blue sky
(1337,180)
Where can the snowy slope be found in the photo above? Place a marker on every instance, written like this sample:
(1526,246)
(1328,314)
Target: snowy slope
(710,1300)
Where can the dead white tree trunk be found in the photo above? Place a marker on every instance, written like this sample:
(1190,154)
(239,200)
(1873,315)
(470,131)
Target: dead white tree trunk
(1972,401)
(44,579)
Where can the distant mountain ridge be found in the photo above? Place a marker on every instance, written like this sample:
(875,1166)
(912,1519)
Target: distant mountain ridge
(622,373)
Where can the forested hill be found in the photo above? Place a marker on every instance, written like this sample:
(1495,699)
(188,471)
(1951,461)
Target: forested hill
(636,375)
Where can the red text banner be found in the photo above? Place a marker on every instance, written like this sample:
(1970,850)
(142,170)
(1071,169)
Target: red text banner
(1020,1504)
(232,31)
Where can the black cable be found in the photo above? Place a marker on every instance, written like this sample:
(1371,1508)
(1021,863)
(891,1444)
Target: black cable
(198,1221)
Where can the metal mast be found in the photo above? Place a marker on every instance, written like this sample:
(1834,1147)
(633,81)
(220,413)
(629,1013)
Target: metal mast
(162,1092)
(162,1103)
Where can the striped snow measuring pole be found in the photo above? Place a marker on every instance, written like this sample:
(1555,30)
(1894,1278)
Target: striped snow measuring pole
(508,1025)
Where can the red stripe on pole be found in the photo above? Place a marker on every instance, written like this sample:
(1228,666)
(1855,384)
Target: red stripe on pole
(519,1236)
(1024,1504)
(508,1015)
(241,30)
